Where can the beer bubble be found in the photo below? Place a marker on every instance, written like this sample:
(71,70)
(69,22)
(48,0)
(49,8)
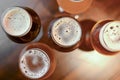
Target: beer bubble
(110,36)
(35,63)
(14,23)
(66,32)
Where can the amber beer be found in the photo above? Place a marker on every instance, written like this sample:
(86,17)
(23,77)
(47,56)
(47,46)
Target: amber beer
(64,34)
(21,24)
(105,36)
(37,61)
(74,6)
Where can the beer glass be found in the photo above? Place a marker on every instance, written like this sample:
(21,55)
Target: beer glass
(37,61)
(105,36)
(21,24)
(74,6)
(64,34)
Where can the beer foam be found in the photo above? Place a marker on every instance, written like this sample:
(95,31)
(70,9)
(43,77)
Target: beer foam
(66,32)
(34,63)
(110,36)
(16,21)
(76,0)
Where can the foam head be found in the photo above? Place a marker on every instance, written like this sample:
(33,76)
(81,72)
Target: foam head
(110,36)
(34,63)
(76,0)
(66,32)
(16,21)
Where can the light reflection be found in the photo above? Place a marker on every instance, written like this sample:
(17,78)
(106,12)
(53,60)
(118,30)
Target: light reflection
(98,59)
(93,65)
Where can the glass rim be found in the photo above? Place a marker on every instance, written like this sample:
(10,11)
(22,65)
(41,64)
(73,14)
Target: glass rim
(3,26)
(43,52)
(62,45)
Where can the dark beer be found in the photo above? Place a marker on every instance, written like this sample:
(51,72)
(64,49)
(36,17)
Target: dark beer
(64,34)
(105,36)
(21,24)
(37,61)
(86,26)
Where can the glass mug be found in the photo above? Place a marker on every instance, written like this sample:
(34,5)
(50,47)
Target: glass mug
(37,61)
(21,24)
(64,34)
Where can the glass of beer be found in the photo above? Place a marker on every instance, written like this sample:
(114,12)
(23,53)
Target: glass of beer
(105,36)
(37,61)
(21,24)
(74,6)
(64,34)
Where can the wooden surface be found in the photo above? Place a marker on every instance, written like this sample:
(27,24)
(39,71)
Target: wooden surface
(75,65)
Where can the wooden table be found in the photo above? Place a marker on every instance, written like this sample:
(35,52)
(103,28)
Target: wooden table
(75,65)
